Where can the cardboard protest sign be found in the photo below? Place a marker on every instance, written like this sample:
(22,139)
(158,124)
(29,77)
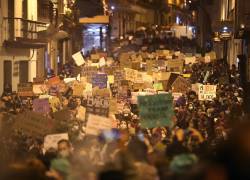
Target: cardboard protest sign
(100,80)
(54,81)
(177,53)
(125,60)
(33,124)
(159,52)
(125,83)
(175,65)
(147,78)
(113,106)
(39,89)
(102,62)
(161,76)
(50,141)
(186,75)
(111,79)
(180,85)
(166,52)
(98,105)
(94,57)
(25,89)
(101,92)
(190,60)
(78,88)
(41,106)
(139,78)
(150,65)
(78,58)
(207,92)
(131,74)
(88,72)
(88,88)
(138,86)
(171,80)
(97,124)
(156,110)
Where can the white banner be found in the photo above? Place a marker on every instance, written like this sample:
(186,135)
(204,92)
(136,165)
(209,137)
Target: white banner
(96,124)
(207,92)
(78,58)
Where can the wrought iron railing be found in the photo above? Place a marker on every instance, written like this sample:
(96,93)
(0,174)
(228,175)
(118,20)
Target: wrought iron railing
(15,28)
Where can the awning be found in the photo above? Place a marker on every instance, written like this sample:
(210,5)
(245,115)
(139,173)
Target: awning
(24,44)
(95,20)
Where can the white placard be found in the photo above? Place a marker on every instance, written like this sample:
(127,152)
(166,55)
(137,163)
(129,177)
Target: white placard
(50,141)
(39,88)
(166,52)
(78,58)
(97,124)
(207,92)
(94,56)
(102,62)
(69,80)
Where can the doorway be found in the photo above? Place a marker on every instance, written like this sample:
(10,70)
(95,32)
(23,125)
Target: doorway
(7,81)
(23,71)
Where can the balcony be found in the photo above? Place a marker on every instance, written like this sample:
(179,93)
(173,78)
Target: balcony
(22,33)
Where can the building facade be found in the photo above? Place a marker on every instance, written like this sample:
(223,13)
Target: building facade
(19,42)
(31,43)
(131,15)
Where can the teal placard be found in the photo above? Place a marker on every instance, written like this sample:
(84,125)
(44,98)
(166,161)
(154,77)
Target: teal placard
(156,110)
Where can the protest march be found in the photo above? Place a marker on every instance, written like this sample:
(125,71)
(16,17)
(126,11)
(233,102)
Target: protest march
(142,115)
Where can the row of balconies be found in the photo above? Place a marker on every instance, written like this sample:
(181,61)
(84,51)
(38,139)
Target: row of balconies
(23,33)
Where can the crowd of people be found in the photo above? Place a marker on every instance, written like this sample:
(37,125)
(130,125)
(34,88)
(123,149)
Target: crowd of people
(208,139)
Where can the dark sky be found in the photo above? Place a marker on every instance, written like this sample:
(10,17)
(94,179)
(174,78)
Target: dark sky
(90,8)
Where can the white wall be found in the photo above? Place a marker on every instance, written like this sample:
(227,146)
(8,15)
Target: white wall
(16,55)
(32,15)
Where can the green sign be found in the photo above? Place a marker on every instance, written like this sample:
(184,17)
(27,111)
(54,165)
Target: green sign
(156,110)
(158,86)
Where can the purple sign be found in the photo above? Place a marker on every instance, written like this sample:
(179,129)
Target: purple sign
(41,105)
(100,80)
